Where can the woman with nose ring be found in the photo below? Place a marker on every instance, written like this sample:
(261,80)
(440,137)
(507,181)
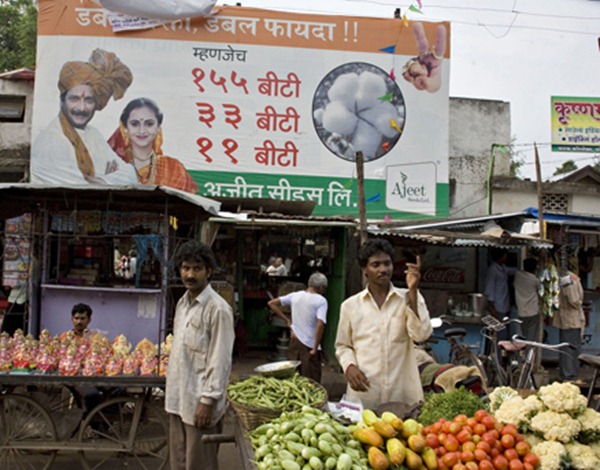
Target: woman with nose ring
(138,141)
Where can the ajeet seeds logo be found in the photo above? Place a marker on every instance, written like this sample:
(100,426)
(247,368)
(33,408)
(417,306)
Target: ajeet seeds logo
(411,188)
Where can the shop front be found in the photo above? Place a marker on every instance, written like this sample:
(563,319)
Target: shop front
(110,248)
(246,245)
(455,255)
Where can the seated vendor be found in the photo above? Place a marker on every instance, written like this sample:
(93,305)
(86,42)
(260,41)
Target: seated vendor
(81,316)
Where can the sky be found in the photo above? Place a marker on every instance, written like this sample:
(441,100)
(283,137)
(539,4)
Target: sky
(519,51)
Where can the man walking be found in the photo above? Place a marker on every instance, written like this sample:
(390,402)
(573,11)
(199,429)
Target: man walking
(528,299)
(200,362)
(70,151)
(309,316)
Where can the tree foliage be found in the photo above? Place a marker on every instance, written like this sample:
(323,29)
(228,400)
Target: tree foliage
(566,167)
(18,34)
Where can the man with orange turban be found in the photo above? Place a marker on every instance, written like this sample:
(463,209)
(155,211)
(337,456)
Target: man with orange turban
(69,151)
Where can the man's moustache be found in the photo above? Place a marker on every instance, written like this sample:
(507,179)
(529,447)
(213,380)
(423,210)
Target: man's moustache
(80,113)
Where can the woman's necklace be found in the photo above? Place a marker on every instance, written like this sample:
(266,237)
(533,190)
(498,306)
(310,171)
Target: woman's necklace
(146,174)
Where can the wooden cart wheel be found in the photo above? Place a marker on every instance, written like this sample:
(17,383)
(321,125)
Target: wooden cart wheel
(124,433)
(26,432)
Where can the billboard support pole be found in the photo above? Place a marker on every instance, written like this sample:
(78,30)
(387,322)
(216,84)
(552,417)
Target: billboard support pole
(362,209)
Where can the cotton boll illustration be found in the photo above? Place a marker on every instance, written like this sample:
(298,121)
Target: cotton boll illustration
(318,116)
(358,107)
(339,119)
(366,138)
(344,89)
(379,116)
(370,88)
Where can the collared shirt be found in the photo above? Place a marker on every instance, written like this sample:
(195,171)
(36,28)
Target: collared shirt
(307,309)
(570,312)
(496,286)
(526,293)
(53,158)
(200,359)
(379,341)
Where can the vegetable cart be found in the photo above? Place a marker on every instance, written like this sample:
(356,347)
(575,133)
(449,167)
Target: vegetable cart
(40,415)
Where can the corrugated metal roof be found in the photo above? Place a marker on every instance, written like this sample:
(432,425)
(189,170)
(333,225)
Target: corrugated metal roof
(451,238)
(24,197)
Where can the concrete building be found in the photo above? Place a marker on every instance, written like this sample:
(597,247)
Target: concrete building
(478,130)
(16,105)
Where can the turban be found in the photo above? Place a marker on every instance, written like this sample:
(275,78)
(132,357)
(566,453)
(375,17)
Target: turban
(104,73)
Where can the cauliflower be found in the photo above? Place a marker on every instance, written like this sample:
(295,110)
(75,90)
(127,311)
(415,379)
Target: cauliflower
(582,457)
(534,440)
(518,411)
(551,454)
(498,395)
(555,426)
(590,426)
(563,397)
(595,446)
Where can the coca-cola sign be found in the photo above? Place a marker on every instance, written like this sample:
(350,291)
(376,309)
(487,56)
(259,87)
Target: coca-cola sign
(444,275)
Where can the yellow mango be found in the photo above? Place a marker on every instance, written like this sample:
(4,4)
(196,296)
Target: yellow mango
(368,436)
(413,460)
(392,419)
(416,442)
(386,430)
(429,458)
(409,427)
(377,459)
(369,417)
(396,451)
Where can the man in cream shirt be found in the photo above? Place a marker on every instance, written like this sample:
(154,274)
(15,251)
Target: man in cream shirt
(377,330)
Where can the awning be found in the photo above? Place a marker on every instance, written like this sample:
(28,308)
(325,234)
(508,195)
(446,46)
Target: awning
(456,238)
(573,220)
(20,198)
(498,231)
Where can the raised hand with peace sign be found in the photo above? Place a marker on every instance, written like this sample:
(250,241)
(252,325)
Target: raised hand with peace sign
(424,70)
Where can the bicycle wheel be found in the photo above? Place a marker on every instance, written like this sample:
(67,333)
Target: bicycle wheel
(468,358)
(25,425)
(525,376)
(117,434)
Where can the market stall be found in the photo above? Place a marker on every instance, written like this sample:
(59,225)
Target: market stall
(245,242)
(63,251)
(76,239)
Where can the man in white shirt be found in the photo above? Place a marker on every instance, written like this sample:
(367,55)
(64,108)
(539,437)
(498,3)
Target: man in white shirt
(527,298)
(277,268)
(70,151)
(199,364)
(378,328)
(309,316)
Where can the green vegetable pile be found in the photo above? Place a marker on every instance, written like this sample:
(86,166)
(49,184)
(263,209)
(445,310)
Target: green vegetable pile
(306,438)
(449,404)
(277,394)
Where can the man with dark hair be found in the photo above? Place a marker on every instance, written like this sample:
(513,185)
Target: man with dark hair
(199,364)
(309,316)
(527,298)
(496,283)
(378,328)
(81,316)
(69,150)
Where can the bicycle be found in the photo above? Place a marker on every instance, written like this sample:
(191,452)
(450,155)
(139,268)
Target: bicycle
(526,351)
(462,354)
(494,357)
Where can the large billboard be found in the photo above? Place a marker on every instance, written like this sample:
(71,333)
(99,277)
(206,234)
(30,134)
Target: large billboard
(575,124)
(249,103)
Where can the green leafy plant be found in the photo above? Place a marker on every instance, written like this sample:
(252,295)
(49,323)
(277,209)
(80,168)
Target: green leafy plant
(448,405)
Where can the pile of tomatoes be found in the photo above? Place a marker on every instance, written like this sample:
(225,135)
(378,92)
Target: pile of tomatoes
(479,443)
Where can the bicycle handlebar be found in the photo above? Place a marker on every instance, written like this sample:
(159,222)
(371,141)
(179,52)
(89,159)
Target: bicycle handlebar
(552,347)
